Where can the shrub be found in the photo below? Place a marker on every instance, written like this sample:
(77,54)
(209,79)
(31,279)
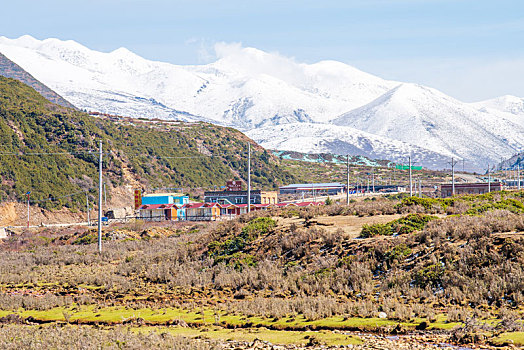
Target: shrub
(376,229)
(398,252)
(407,224)
(429,275)
(227,250)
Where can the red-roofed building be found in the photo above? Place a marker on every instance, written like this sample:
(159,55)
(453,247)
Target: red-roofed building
(202,211)
(160,212)
(308,204)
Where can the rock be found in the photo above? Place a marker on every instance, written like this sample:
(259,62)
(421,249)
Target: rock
(180,323)
(382,314)
(422,326)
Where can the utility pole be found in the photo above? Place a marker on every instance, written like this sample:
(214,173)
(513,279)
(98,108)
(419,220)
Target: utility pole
(453,163)
(248,177)
(28,193)
(373,179)
(87,207)
(105,196)
(347,185)
(100,200)
(367,189)
(410,179)
(489,179)
(518,177)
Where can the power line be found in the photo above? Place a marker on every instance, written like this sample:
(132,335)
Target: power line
(52,198)
(44,153)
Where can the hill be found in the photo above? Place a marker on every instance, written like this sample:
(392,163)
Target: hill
(9,69)
(52,151)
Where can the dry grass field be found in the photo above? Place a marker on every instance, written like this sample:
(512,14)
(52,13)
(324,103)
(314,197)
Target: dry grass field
(431,270)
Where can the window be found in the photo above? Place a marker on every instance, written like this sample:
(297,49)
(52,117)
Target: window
(238,200)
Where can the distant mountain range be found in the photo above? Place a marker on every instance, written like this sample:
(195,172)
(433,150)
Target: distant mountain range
(323,107)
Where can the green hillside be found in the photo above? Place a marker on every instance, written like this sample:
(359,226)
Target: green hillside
(154,153)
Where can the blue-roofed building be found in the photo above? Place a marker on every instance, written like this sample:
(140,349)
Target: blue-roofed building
(330,188)
(165,198)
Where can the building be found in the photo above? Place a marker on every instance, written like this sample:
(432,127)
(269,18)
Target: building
(202,211)
(514,183)
(165,198)
(240,197)
(469,188)
(235,185)
(319,189)
(161,212)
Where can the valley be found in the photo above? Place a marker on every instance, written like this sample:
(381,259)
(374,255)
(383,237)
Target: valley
(338,243)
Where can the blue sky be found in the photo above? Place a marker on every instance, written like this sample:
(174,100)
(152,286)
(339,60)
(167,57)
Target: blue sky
(470,49)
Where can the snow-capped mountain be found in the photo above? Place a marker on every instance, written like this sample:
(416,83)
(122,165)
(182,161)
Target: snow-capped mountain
(327,106)
(507,107)
(245,88)
(328,138)
(427,118)
(507,104)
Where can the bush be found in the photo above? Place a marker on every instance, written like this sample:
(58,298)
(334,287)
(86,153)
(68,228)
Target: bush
(429,275)
(407,224)
(229,249)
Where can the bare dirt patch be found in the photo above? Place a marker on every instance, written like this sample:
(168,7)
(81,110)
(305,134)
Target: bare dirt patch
(8,215)
(351,225)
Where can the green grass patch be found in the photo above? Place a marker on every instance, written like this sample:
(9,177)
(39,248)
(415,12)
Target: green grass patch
(208,317)
(515,338)
(250,334)
(407,224)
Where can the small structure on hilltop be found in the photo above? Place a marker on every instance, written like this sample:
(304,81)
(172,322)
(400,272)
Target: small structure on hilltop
(446,190)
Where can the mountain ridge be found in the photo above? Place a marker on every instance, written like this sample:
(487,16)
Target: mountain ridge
(250,89)
(9,69)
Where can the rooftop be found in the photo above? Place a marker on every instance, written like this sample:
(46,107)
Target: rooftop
(327,184)
(164,195)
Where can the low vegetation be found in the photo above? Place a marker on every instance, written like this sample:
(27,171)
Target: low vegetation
(407,224)
(285,271)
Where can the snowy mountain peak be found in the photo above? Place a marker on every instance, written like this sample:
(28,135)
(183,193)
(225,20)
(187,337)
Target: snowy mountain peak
(268,93)
(507,103)
(24,41)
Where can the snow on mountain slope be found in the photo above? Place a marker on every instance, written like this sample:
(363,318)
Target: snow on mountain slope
(245,88)
(507,107)
(258,91)
(507,104)
(427,118)
(320,138)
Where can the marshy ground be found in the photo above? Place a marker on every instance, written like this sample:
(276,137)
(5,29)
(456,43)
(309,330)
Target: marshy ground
(383,273)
